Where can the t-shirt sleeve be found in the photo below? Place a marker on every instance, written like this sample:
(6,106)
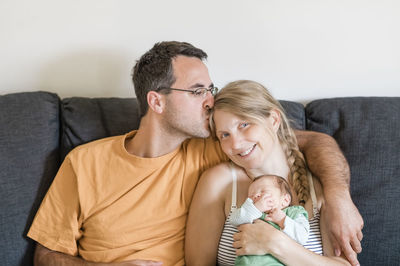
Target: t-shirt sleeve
(213,154)
(57,224)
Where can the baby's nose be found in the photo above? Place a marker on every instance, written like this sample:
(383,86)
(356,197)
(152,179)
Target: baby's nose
(256,196)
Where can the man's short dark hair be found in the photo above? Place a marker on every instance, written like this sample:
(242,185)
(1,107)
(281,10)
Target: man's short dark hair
(154,69)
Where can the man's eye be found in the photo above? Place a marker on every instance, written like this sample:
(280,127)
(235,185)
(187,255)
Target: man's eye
(198,92)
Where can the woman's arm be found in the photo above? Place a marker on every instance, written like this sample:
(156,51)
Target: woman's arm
(206,217)
(327,162)
(261,238)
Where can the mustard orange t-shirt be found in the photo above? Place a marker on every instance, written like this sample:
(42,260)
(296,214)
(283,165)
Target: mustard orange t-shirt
(108,205)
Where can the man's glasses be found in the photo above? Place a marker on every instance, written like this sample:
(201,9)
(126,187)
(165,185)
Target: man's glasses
(197,92)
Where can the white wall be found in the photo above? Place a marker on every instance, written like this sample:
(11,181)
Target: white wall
(301,50)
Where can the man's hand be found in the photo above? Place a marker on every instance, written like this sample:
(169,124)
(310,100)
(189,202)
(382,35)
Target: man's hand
(327,162)
(344,227)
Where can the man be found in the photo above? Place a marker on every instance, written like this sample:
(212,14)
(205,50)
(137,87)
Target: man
(126,198)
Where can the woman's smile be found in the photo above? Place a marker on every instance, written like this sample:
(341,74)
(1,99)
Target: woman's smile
(247,152)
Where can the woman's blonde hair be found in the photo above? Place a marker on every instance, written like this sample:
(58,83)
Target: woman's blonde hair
(251,101)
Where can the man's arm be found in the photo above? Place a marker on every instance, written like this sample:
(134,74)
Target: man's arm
(44,257)
(327,162)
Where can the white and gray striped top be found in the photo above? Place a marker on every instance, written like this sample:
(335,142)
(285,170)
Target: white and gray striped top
(226,253)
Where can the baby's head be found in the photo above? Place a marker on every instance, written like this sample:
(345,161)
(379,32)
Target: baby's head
(274,185)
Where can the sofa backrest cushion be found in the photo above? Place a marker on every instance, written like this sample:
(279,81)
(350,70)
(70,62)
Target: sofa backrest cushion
(29,156)
(88,119)
(367,130)
(295,112)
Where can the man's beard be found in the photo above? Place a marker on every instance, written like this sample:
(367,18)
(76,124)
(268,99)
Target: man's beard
(184,127)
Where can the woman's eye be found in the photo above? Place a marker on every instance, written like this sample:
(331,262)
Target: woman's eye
(224,135)
(244,124)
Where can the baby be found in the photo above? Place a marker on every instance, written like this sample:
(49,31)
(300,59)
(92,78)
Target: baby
(269,199)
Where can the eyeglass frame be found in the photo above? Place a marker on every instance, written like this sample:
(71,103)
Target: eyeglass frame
(213,90)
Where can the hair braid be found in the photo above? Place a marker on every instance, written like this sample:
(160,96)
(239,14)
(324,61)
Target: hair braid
(299,172)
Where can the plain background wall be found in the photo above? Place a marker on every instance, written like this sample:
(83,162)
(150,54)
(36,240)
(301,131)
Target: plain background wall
(301,50)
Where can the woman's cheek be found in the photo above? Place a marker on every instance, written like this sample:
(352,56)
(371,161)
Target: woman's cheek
(225,148)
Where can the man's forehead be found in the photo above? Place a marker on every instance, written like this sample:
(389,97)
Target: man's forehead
(191,70)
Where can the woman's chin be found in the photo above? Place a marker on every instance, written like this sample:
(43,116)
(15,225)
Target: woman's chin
(247,165)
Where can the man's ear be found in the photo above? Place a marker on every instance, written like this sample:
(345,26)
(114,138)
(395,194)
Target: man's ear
(275,117)
(155,101)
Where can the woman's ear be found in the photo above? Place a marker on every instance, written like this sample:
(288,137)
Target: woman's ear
(275,116)
(155,101)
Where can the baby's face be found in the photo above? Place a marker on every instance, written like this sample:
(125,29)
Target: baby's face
(267,185)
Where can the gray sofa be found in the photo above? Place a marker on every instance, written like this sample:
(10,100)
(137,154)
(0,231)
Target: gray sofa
(37,129)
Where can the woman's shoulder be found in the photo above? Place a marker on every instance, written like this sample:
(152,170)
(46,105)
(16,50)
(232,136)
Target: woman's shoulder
(220,171)
(214,182)
(217,173)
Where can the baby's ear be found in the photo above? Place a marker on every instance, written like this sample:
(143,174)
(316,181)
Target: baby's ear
(286,200)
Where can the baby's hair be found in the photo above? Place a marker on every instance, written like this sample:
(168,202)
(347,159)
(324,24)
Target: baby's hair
(281,183)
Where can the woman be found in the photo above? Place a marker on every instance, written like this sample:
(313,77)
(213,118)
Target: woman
(256,136)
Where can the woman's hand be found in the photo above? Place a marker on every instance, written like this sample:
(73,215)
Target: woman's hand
(261,238)
(255,239)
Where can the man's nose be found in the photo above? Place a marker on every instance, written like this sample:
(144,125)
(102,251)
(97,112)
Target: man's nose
(208,101)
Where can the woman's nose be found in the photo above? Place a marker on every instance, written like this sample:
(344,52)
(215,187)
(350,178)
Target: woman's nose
(236,141)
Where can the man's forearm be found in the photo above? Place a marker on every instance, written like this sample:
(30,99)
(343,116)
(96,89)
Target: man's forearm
(325,160)
(45,257)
